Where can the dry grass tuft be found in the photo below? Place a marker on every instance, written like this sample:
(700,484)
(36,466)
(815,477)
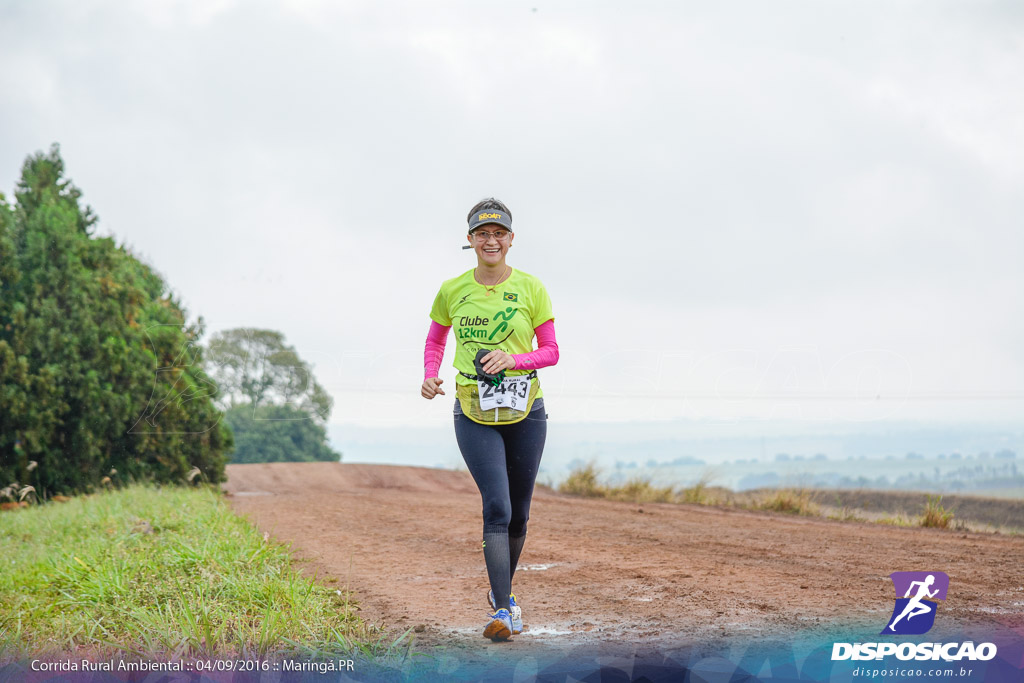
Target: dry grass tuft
(899,519)
(700,493)
(935,515)
(845,514)
(640,490)
(583,482)
(790,501)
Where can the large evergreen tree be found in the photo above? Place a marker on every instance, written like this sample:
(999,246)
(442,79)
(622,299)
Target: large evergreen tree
(99,369)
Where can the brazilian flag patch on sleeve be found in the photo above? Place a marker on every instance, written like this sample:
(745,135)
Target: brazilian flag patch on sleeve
(509,296)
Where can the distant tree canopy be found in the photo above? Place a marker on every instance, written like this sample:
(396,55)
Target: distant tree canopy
(274,405)
(257,367)
(99,370)
(271,433)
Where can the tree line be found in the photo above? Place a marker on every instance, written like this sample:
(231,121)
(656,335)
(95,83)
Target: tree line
(102,376)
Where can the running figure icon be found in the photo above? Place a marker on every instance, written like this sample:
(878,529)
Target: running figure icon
(917,595)
(916,607)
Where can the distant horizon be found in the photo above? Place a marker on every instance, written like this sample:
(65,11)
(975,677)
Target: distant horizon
(715,446)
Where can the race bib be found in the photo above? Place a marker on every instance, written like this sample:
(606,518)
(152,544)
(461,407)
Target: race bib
(513,393)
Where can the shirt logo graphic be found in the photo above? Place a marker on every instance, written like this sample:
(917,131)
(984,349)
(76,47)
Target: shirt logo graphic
(914,613)
(463,299)
(509,296)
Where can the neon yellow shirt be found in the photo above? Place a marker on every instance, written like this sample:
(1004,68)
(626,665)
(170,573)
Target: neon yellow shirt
(503,320)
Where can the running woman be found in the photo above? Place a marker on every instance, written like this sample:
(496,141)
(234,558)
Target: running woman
(500,422)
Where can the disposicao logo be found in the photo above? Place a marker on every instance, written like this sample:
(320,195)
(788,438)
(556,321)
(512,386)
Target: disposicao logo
(914,613)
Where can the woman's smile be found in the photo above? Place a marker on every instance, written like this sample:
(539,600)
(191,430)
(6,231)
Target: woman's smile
(492,252)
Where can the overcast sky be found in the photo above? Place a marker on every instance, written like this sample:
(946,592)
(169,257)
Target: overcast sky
(757,210)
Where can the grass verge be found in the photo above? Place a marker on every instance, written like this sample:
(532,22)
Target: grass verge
(162,572)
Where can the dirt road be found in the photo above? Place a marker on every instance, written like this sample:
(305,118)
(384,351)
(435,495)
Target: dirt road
(407,541)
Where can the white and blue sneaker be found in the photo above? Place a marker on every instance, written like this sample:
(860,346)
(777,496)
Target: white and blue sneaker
(499,625)
(515,611)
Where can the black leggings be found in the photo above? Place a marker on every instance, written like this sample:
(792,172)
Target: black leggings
(504,460)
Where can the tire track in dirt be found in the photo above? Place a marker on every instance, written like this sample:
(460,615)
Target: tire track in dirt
(407,541)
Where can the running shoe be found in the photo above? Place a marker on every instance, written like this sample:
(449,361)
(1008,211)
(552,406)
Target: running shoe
(515,611)
(499,625)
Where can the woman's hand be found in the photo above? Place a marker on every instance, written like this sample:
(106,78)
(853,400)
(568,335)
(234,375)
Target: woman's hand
(431,387)
(496,361)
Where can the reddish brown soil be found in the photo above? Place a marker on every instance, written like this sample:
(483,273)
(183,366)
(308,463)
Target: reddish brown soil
(407,541)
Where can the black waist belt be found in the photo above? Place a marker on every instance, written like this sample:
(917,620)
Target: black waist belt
(484,378)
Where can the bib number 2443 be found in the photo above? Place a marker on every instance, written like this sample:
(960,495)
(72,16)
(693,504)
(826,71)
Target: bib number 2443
(511,393)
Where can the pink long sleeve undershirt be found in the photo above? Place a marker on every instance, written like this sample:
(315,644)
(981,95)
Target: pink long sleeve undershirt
(546,354)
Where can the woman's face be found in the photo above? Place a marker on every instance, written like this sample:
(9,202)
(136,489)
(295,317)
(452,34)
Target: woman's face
(491,251)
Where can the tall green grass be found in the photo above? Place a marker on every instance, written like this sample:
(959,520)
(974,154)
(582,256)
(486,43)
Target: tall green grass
(161,572)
